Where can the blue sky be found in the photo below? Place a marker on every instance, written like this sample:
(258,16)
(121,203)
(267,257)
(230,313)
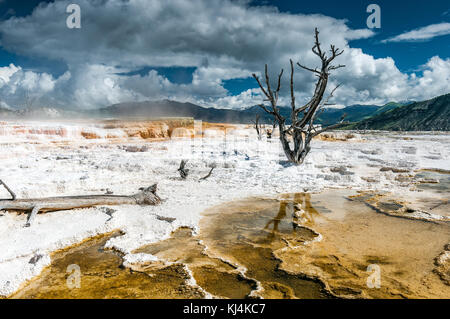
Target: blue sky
(208,73)
(396,17)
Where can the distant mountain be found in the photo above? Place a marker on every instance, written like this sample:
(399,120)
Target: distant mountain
(41,113)
(353,113)
(430,115)
(389,106)
(167,108)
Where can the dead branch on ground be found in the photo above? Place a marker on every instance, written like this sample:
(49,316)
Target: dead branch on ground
(183,171)
(145,196)
(209,174)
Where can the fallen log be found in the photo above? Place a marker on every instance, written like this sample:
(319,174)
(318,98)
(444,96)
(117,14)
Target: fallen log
(145,196)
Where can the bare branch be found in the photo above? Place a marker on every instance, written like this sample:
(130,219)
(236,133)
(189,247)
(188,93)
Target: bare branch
(335,67)
(316,48)
(265,109)
(260,85)
(292,87)
(334,53)
(209,174)
(331,94)
(279,80)
(309,69)
(278,86)
(331,127)
(269,94)
(13,195)
(269,90)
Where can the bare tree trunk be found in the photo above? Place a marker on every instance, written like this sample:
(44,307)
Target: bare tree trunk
(146,196)
(285,143)
(258,127)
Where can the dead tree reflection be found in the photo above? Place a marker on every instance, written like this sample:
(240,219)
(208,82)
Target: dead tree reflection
(276,220)
(302,212)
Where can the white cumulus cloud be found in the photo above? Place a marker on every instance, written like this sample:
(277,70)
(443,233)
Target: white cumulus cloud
(422,34)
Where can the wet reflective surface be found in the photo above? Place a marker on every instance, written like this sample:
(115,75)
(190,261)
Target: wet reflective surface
(436,181)
(247,234)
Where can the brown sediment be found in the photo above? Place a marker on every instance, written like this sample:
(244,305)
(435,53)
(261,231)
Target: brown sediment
(90,135)
(411,244)
(102,276)
(164,128)
(338,137)
(137,129)
(416,208)
(394,169)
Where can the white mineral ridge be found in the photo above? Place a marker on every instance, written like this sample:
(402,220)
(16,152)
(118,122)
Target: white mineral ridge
(130,259)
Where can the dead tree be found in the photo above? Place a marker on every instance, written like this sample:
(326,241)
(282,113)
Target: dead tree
(302,127)
(145,196)
(183,171)
(258,127)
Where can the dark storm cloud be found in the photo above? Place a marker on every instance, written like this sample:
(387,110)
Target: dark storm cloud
(222,39)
